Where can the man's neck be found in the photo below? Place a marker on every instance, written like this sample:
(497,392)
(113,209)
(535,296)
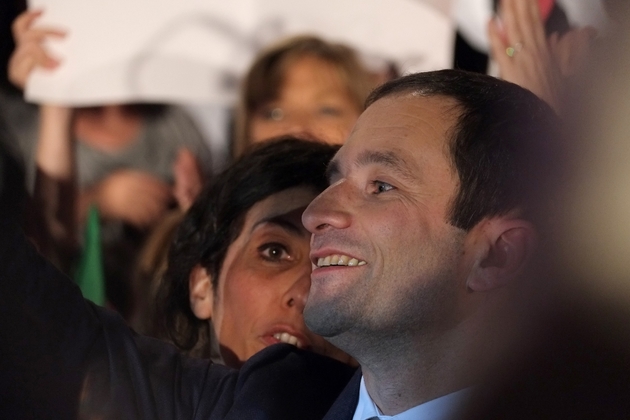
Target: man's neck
(410,374)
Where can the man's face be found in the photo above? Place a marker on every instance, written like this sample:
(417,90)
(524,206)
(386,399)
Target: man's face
(384,217)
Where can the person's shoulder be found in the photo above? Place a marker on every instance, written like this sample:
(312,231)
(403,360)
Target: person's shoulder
(184,382)
(285,357)
(286,382)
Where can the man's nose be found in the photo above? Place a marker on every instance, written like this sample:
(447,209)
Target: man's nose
(330,209)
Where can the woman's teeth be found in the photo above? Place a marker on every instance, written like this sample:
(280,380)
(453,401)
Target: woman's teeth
(288,338)
(339,260)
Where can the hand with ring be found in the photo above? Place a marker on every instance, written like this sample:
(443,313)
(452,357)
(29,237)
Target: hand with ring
(510,51)
(525,55)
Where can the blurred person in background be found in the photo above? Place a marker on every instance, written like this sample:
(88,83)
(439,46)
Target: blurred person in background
(302,86)
(134,162)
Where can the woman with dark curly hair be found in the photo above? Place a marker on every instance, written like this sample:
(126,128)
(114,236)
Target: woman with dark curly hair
(240,260)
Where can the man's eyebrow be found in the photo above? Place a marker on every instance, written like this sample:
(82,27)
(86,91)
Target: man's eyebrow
(389,159)
(283,222)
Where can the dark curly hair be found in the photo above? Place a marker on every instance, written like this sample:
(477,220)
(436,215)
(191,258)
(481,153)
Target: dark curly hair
(216,219)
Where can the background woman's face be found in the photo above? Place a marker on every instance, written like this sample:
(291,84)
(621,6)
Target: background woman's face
(265,280)
(314,102)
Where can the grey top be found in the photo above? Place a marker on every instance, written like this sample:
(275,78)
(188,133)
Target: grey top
(154,150)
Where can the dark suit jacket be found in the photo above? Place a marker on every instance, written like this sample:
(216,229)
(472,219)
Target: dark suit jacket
(62,357)
(346,403)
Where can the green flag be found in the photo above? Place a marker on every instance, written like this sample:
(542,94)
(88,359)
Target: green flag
(89,274)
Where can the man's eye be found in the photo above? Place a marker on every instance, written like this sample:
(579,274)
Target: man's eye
(274,252)
(381,187)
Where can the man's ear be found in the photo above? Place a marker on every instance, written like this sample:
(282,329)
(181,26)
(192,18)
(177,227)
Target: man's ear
(201,292)
(504,246)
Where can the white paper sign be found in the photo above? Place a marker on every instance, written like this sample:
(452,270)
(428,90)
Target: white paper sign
(196,50)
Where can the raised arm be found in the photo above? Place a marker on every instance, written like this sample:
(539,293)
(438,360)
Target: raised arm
(63,357)
(47,333)
(52,208)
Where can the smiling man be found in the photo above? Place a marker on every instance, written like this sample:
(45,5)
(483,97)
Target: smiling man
(422,240)
(421,248)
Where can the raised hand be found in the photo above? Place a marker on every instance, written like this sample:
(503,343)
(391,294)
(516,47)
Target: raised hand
(134,196)
(29,50)
(528,58)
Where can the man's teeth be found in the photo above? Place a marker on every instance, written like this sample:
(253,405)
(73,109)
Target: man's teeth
(339,260)
(288,338)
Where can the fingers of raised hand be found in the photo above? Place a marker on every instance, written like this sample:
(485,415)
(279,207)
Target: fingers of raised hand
(572,49)
(523,25)
(39,35)
(31,44)
(510,20)
(498,44)
(25,59)
(531,26)
(29,52)
(23,30)
(23,22)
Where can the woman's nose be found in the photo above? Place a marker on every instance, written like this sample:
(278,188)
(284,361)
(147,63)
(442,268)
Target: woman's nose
(295,297)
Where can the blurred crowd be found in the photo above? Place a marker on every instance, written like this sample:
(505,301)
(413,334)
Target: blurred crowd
(124,199)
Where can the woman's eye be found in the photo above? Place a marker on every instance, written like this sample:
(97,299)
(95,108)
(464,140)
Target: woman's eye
(381,187)
(272,113)
(274,252)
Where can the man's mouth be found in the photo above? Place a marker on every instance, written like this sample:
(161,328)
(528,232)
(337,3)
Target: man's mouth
(339,260)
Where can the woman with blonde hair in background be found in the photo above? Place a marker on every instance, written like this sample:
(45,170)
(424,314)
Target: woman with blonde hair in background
(305,87)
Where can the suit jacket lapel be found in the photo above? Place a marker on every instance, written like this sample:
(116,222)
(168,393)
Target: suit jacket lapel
(345,405)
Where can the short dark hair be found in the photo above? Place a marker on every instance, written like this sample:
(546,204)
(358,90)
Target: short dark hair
(504,145)
(216,219)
